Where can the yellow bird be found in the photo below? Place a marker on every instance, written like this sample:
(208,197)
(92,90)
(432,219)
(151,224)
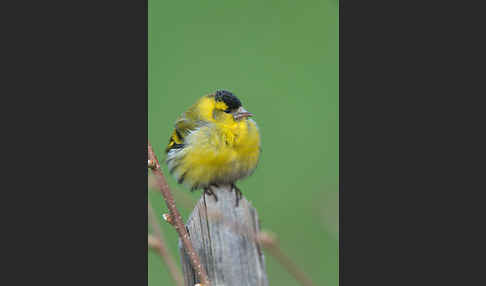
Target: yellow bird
(214,142)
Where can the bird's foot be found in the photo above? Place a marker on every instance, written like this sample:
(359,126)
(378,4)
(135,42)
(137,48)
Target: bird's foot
(238,193)
(210,192)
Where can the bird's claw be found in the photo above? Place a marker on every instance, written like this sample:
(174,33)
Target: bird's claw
(238,194)
(210,192)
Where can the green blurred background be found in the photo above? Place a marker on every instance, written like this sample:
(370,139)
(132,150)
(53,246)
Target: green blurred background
(281,59)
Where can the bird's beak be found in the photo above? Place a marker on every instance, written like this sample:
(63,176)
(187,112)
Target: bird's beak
(241,112)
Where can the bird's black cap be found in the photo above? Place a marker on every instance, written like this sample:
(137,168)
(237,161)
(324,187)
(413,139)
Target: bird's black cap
(229,98)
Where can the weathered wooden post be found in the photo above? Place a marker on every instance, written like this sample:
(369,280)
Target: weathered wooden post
(224,237)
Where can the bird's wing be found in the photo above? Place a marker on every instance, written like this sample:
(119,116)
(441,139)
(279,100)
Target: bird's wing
(183,126)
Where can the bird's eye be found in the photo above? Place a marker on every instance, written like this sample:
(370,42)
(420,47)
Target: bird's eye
(227,110)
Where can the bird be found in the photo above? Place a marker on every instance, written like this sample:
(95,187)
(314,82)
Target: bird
(214,143)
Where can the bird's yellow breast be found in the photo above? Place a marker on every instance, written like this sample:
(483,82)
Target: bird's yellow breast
(218,153)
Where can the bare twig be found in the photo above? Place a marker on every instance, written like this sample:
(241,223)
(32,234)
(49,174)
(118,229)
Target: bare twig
(157,242)
(270,243)
(179,225)
(151,164)
(153,242)
(168,218)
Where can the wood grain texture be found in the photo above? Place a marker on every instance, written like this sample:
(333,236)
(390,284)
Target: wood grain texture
(223,236)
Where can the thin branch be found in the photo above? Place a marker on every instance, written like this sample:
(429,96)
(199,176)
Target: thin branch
(179,225)
(153,242)
(269,242)
(157,242)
